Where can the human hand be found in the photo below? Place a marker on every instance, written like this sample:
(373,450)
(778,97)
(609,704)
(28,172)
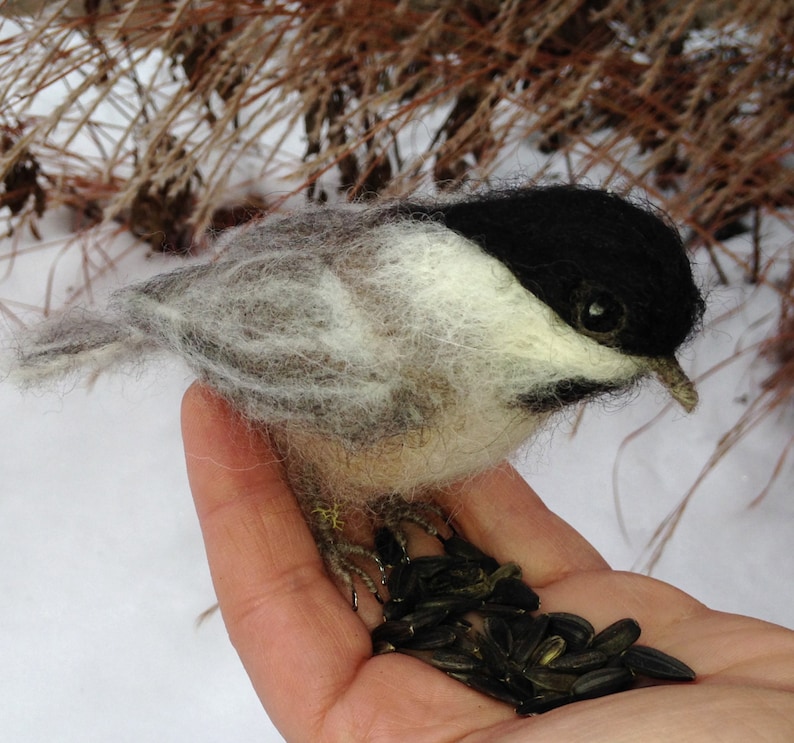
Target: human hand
(309,656)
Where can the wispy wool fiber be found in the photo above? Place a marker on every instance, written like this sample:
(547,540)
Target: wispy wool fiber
(396,347)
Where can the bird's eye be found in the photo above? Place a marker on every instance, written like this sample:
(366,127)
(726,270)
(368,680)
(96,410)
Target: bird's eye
(598,312)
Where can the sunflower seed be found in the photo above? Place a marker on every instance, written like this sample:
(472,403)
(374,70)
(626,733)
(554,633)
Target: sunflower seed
(519,684)
(498,631)
(403,582)
(455,661)
(381,647)
(617,637)
(653,663)
(463,580)
(425,616)
(472,618)
(579,662)
(490,609)
(549,649)
(505,572)
(453,605)
(526,640)
(432,638)
(395,632)
(428,566)
(577,632)
(390,549)
(515,592)
(601,682)
(542,678)
(542,703)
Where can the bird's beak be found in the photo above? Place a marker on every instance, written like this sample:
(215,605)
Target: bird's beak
(669,372)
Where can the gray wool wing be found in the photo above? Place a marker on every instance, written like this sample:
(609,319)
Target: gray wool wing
(274,329)
(277,333)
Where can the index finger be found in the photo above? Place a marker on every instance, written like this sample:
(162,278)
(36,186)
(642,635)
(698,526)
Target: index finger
(293,630)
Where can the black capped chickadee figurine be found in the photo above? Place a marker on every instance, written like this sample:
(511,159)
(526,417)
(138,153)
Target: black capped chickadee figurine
(394,348)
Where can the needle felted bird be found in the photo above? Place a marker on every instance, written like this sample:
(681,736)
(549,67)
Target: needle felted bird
(394,348)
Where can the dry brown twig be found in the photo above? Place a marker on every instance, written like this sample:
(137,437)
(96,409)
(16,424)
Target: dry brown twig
(698,89)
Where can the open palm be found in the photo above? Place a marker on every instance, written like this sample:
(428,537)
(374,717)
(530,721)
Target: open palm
(309,656)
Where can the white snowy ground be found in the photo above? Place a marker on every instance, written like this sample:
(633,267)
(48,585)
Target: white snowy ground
(102,570)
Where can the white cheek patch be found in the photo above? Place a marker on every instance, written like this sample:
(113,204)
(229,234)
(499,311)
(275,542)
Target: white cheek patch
(487,329)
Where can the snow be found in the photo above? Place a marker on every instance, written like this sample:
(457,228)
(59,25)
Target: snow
(104,572)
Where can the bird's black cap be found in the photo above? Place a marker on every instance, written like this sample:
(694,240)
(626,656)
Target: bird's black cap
(611,269)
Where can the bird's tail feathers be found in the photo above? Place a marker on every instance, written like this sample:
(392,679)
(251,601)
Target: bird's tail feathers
(79,341)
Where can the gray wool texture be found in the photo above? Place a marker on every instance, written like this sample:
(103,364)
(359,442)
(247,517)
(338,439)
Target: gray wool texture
(384,354)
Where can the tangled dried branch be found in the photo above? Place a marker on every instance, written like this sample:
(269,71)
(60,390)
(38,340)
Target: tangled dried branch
(169,101)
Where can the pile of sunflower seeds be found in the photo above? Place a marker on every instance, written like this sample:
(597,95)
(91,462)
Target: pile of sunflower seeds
(476,620)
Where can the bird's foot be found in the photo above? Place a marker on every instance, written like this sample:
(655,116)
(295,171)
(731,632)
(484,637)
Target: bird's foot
(348,561)
(339,559)
(343,557)
(391,538)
